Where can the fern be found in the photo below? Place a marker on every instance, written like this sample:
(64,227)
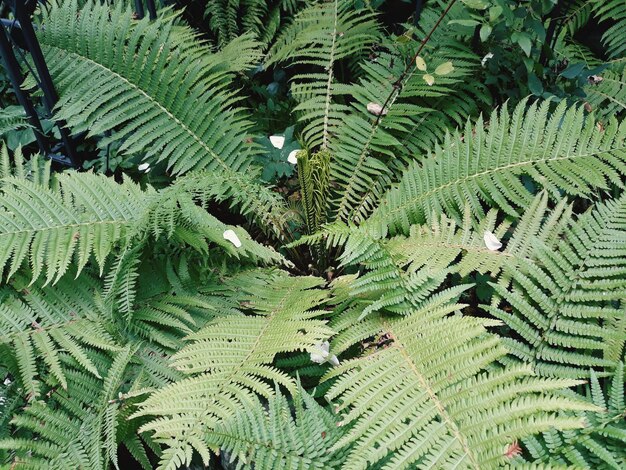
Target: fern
(98,402)
(35,169)
(601,444)
(608,97)
(133,317)
(131,98)
(303,440)
(101,91)
(91,215)
(321,36)
(562,152)
(46,321)
(576,15)
(371,149)
(613,38)
(432,398)
(229,18)
(313,174)
(228,363)
(69,435)
(12,119)
(399,268)
(565,302)
(266,209)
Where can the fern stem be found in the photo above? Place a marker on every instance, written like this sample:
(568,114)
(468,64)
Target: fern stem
(330,79)
(454,428)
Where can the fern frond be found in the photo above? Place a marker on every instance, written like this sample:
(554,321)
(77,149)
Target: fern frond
(47,228)
(228,362)
(561,152)
(196,125)
(75,429)
(258,18)
(576,15)
(371,149)
(566,301)
(51,320)
(306,434)
(35,169)
(608,97)
(313,174)
(602,444)
(12,119)
(613,11)
(432,251)
(90,214)
(115,90)
(320,36)
(266,209)
(432,397)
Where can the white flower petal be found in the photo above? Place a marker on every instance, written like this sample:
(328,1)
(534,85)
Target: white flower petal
(318,358)
(145,167)
(277,141)
(491,242)
(486,58)
(232,237)
(320,354)
(293,157)
(7,381)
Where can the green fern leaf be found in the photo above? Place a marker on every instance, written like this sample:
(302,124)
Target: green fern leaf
(433,398)
(278,438)
(228,363)
(561,152)
(601,444)
(564,303)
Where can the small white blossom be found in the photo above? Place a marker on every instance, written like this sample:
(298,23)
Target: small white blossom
(145,167)
(491,242)
(232,237)
(277,141)
(293,157)
(7,381)
(322,355)
(486,58)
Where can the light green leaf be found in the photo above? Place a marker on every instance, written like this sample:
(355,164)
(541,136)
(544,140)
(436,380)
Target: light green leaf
(485,31)
(476,4)
(525,43)
(444,69)
(420,63)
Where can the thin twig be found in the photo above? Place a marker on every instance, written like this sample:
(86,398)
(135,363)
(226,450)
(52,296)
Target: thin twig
(397,86)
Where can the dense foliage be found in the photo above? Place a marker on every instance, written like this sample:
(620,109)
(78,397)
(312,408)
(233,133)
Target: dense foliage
(319,234)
